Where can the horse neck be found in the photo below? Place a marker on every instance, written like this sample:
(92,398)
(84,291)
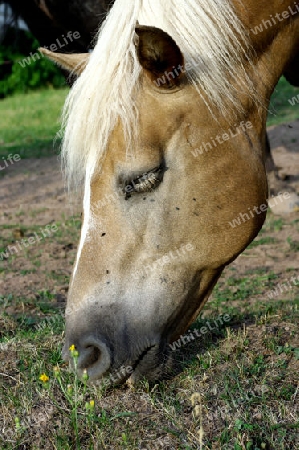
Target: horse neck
(275,39)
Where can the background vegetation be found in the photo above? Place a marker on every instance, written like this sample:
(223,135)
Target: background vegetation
(38,73)
(281,110)
(30,122)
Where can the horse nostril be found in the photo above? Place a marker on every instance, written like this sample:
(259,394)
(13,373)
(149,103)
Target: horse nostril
(91,355)
(94,356)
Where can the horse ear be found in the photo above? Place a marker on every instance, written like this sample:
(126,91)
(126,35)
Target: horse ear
(160,56)
(75,63)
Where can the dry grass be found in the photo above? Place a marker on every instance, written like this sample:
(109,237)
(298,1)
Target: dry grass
(236,389)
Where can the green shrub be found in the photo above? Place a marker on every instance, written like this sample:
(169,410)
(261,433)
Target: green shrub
(27,71)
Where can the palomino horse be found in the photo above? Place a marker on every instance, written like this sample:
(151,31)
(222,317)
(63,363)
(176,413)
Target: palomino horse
(165,133)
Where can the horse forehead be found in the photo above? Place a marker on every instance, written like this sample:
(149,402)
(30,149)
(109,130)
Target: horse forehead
(162,114)
(158,122)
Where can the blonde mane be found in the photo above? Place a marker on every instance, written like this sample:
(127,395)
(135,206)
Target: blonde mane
(208,32)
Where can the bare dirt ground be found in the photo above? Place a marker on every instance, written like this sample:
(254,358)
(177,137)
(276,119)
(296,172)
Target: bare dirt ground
(32,195)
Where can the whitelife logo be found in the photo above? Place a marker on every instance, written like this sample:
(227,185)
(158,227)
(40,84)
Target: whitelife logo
(244,217)
(70,37)
(189,337)
(19,245)
(221,138)
(295,100)
(280,17)
(11,159)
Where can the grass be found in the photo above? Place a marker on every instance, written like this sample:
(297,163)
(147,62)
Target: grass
(283,111)
(34,258)
(236,385)
(29,123)
(262,241)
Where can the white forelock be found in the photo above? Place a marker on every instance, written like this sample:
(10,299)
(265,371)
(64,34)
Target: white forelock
(208,32)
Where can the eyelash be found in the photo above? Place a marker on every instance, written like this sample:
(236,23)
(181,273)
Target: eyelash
(146,182)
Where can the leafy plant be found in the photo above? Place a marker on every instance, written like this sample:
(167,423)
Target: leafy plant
(21,72)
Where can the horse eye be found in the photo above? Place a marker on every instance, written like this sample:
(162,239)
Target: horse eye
(146,182)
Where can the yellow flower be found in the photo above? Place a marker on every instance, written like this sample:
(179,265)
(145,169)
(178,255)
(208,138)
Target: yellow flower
(44,378)
(91,403)
(73,351)
(89,406)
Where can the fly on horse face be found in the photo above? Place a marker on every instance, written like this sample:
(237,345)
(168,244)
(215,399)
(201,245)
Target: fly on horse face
(164,80)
